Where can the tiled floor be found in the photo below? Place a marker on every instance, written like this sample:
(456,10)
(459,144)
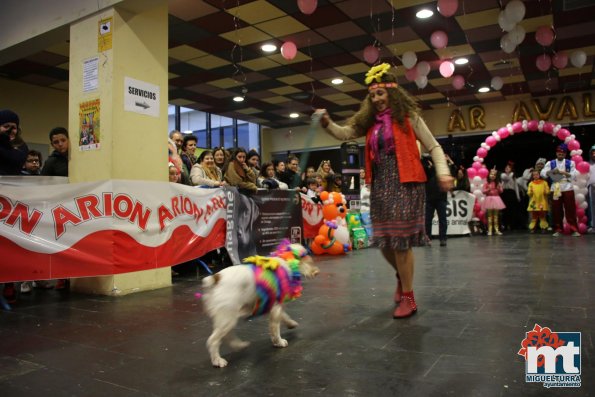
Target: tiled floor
(477,297)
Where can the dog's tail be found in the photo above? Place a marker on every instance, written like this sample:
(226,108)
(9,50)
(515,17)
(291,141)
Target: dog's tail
(210,281)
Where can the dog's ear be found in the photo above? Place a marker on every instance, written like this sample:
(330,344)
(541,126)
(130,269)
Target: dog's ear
(307,267)
(217,277)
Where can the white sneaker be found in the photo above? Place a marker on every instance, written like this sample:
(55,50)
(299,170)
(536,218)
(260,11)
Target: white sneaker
(557,234)
(576,234)
(26,287)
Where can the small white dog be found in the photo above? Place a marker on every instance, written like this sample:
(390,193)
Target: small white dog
(259,287)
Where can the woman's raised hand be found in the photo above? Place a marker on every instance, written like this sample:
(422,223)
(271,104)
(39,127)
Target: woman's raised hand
(324,118)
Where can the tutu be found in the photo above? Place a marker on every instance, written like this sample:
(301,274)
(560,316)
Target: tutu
(493,203)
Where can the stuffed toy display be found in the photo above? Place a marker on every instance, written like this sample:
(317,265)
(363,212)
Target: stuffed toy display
(333,235)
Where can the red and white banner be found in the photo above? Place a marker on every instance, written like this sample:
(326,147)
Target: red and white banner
(312,214)
(104,228)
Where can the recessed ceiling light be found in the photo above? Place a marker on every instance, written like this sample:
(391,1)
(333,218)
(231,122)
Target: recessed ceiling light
(484,89)
(187,132)
(337,81)
(294,115)
(461,61)
(268,47)
(425,13)
(238,98)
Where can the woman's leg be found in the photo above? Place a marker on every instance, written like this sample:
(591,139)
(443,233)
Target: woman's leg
(389,255)
(405,262)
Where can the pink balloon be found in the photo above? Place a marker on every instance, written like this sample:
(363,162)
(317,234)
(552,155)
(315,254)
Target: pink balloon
(517,127)
(503,132)
(447,68)
(288,50)
(548,128)
(580,212)
(582,228)
(476,207)
(371,54)
(563,133)
(583,167)
(481,214)
(439,39)
(543,62)
(560,60)
(458,82)
(471,172)
(307,6)
(447,8)
(477,165)
(544,35)
(573,144)
(566,229)
(583,219)
(533,125)
(483,173)
(491,141)
(577,159)
(481,152)
(411,74)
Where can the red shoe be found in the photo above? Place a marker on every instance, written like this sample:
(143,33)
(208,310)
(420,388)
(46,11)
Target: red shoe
(399,290)
(61,284)
(407,307)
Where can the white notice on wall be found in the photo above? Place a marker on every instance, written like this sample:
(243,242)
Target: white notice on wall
(141,97)
(90,74)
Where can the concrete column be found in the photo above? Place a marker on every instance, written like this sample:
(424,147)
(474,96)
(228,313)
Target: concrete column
(129,44)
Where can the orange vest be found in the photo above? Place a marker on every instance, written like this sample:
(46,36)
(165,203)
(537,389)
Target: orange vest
(406,151)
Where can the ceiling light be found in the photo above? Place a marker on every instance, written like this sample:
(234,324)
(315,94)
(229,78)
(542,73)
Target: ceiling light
(238,98)
(337,81)
(425,13)
(461,61)
(484,89)
(294,115)
(268,47)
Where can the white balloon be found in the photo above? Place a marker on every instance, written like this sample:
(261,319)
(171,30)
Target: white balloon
(423,68)
(421,81)
(517,35)
(477,180)
(578,58)
(515,11)
(504,23)
(497,83)
(409,59)
(477,193)
(584,205)
(579,198)
(506,44)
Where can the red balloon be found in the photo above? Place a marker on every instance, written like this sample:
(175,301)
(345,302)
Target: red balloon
(411,74)
(583,167)
(371,54)
(543,62)
(447,8)
(447,68)
(544,35)
(439,39)
(307,6)
(288,50)
(560,60)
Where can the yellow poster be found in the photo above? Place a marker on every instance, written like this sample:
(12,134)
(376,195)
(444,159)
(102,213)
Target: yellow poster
(89,125)
(104,36)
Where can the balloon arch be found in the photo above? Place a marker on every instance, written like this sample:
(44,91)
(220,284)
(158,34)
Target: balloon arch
(478,172)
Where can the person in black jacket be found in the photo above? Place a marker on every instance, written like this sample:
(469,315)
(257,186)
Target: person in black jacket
(57,162)
(13,150)
(436,199)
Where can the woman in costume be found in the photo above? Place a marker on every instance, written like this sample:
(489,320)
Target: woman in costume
(389,118)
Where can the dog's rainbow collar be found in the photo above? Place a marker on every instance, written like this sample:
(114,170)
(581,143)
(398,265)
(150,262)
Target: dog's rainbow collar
(274,284)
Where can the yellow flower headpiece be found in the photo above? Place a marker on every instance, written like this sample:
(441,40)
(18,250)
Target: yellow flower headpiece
(376,73)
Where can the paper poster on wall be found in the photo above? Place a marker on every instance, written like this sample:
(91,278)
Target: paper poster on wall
(90,74)
(104,34)
(141,97)
(89,125)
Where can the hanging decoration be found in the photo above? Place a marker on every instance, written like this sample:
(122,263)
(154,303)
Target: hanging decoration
(307,6)
(578,58)
(447,68)
(447,8)
(458,82)
(560,60)
(409,59)
(543,62)
(544,35)
(288,50)
(371,54)
(497,83)
(439,39)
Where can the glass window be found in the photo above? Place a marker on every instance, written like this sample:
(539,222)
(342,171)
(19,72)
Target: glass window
(192,120)
(228,137)
(171,118)
(201,137)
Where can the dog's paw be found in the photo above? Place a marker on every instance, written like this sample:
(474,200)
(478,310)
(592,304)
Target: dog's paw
(291,324)
(239,344)
(280,343)
(219,362)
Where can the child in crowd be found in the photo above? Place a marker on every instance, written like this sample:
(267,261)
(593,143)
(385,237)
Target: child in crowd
(313,189)
(493,203)
(538,192)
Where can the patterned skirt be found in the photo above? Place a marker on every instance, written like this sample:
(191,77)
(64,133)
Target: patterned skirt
(397,209)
